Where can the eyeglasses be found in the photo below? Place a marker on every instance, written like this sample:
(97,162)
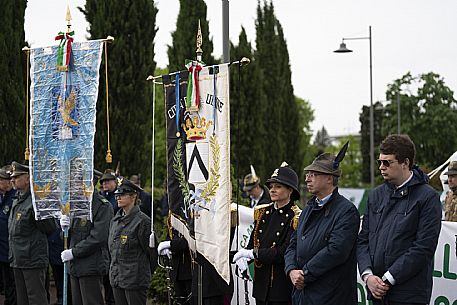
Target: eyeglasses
(386,163)
(312,175)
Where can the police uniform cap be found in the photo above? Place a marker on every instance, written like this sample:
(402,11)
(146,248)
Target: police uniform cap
(18,169)
(108,175)
(250,182)
(452,169)
(97,174)
(125,186)
(286,176)
(324,163)
(5,172)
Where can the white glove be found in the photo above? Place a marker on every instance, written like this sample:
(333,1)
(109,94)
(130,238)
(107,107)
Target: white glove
(165,245)
(64,222)
(166,252)
(66,255)
(242,263)
(249,254)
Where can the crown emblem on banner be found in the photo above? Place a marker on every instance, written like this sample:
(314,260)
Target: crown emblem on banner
(195,128)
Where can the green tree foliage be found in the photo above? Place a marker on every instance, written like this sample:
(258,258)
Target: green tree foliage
(351,166)
(322,139)
(428,112)
(364,119)
(160,142)
(184,38)
(12,74)
(247,112)
(305,116)
(282,121)
(130,61)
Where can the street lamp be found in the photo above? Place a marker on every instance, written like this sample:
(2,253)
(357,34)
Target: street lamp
(344,49)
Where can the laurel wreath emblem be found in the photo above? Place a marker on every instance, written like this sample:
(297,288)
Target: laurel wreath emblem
(179,172)
(213,183)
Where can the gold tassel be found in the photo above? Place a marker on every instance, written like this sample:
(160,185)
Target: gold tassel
(109,157)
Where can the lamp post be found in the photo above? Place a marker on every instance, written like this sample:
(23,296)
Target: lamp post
(344,49)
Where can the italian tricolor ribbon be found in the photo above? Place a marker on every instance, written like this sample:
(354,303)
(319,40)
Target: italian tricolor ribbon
(64,51)
(193,96)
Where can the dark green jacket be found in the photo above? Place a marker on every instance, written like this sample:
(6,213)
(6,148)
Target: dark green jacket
(132,261)
(89,240)
(27,237)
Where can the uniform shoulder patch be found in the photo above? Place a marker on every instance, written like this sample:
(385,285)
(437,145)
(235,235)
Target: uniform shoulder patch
(297,212)
(104,200)
(258,210)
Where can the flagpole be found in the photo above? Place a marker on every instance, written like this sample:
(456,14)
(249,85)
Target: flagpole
(152,236)
(65,232)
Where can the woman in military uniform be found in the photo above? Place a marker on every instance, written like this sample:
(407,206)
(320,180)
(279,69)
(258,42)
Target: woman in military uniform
(129,248)
(274,223)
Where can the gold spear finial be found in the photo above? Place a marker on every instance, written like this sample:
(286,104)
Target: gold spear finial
(68,19)
(199,50)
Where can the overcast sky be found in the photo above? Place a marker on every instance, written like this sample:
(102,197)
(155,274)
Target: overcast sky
(408,35)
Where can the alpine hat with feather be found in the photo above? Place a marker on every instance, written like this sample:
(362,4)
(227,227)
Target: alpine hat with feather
(327,163)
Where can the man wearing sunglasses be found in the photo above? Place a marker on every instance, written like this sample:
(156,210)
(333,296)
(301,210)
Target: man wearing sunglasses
(400,229)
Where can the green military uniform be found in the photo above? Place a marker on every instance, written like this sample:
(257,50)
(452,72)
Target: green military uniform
(450,206)
(450,203)
(29,250)
(131,259)
(89,244)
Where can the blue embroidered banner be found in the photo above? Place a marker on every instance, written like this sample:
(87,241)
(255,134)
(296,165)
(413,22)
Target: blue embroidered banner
(62,128)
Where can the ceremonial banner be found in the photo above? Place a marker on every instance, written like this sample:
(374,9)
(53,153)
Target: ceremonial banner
(62,128)
(198,150)
(242,234)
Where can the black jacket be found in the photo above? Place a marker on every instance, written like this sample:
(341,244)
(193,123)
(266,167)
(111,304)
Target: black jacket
(265,199)
(28,237)
(181,260)
(212,283)
(399,234)
(89,240)
(273,229)
(5,209)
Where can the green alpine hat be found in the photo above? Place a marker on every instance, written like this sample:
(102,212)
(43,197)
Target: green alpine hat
(108,175)
(452,169)
(327,163)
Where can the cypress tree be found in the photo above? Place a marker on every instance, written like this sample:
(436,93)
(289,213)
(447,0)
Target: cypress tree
(281,118)
(184,38)
(130,61)
(247,114)
(364,119)
(292,131)
(13,87)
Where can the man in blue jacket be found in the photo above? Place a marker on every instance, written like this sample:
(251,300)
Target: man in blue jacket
(400,229)
(321,257)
